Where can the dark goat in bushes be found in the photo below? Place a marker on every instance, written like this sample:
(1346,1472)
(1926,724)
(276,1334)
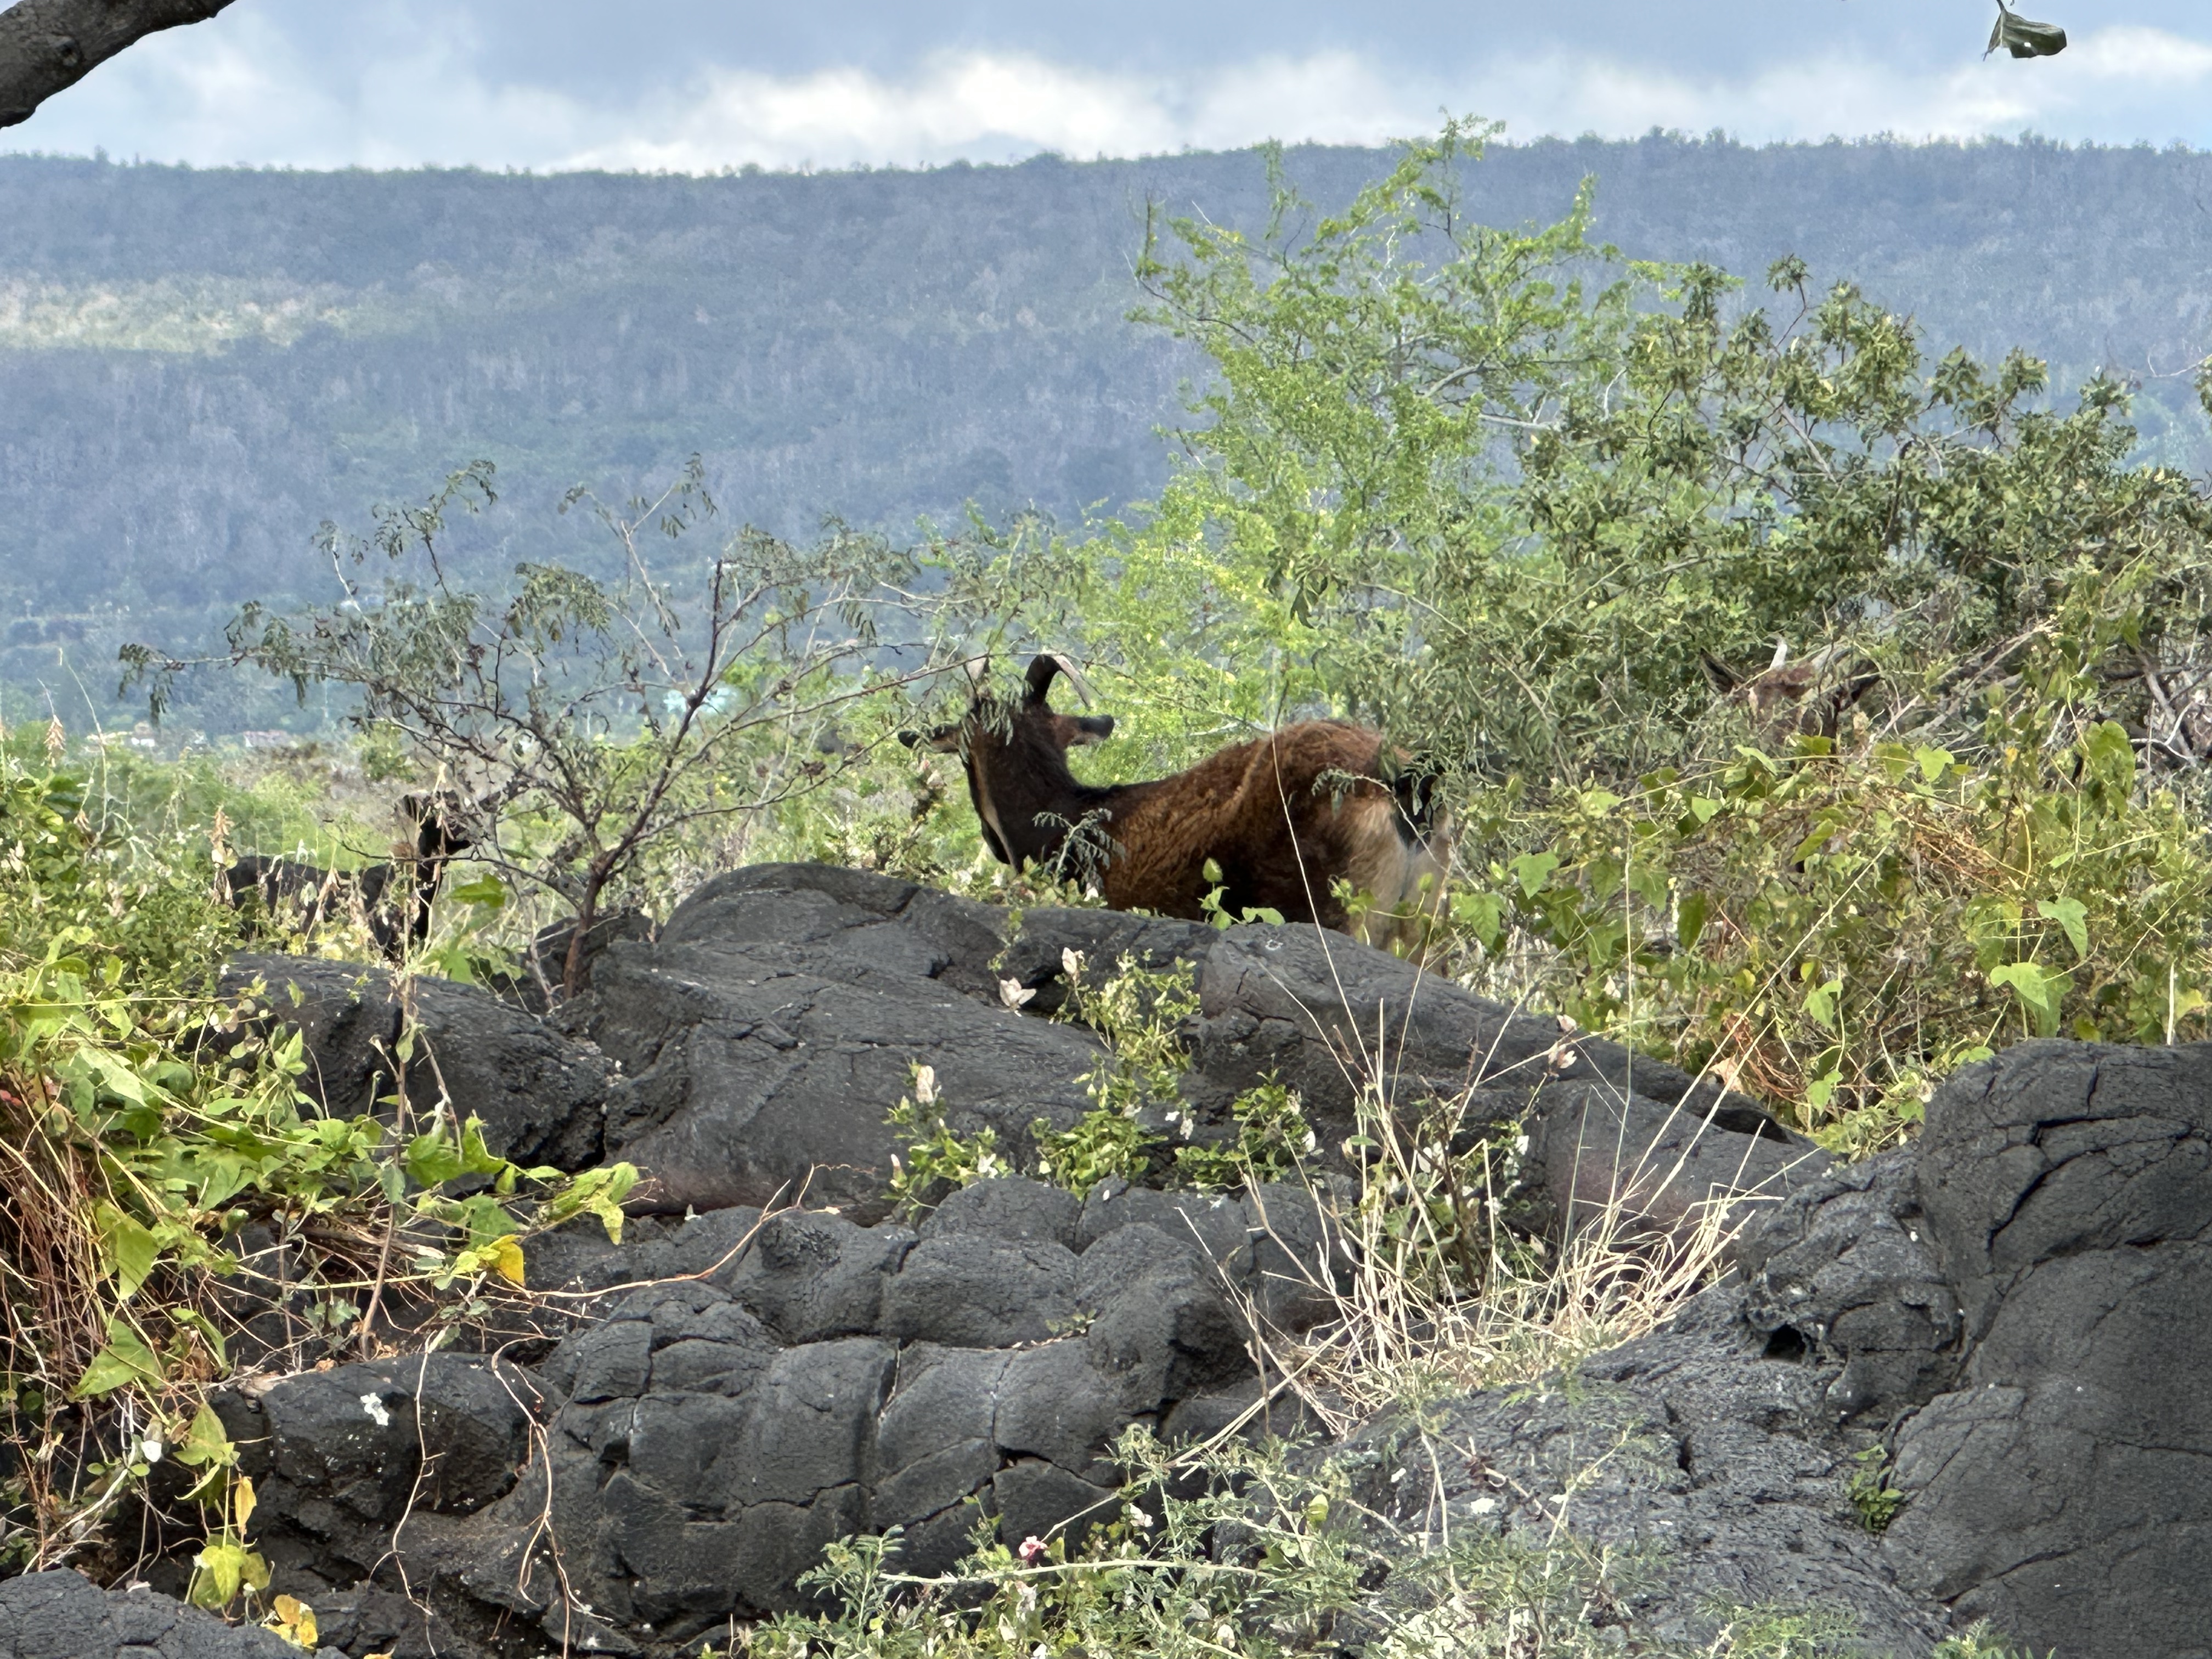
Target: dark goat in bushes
(392,899)
(1285,817)
(1807,697)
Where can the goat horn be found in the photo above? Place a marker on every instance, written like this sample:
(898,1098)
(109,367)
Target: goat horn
(1781,653)
(978,669)
(1066,666)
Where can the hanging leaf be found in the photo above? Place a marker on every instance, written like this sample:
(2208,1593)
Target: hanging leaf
(129,1247)
(2023,39)
(205,1442)
(125,1359)
(2039,992)
(2071,915)
(431,1159)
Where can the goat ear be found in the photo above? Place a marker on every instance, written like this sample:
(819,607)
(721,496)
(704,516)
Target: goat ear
(944,740)
(1091,728)
(1725,679)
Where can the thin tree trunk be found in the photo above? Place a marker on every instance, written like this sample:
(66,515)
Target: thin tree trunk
(47,46)
(588,912)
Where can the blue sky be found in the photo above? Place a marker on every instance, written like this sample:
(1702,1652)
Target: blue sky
(698,85)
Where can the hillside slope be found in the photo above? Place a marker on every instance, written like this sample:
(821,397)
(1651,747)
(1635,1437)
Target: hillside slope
(197,368)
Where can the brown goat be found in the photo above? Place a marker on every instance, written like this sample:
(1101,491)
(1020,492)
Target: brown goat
(396,910)
(1284,817)
(1807,697)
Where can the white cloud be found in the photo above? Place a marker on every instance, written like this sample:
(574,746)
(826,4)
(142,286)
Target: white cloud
(2127,53)
(246,92)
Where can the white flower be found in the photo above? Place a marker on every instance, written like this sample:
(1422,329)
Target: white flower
(1011,994)
(1071,963)
(925,1085)
(377,1415)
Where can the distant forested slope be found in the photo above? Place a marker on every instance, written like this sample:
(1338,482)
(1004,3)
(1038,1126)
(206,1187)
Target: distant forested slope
(197,368)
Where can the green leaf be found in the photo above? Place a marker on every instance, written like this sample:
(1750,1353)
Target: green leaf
(487,891)
(431,1159)
(1484,915)
(1690,917)
(126,1360)
(476,1158)
(2071,915)
(1934,763)
(1820,1004)
(2105,747)
(1534,870)
(222,1177)
(205,1445)
(221,1572)
(2039,992)
(129,1247)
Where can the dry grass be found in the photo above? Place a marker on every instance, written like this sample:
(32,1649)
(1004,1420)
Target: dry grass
(1435,1295)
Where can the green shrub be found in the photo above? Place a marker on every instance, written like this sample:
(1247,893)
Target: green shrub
(149,1119)
(1836,930)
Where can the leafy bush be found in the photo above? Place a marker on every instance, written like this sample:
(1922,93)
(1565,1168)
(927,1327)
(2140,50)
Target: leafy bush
(148,1122)
(1835,932)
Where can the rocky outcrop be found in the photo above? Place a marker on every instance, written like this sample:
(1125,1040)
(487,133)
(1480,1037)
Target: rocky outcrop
(2059,1488)
(779,1016)
(2007,1309)
(64,1615)
(1702,1462)
(690,1449)
(541,1095)
(753,1047)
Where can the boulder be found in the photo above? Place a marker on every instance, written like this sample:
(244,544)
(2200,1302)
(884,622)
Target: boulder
(779,1018)
(2056,1488)
(342,1457)
(1614,1139)
(541,1095)
(63,1616)
(1627,1166)
(1844,1267)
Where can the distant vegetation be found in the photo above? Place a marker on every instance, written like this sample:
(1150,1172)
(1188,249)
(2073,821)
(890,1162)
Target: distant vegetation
(198,367)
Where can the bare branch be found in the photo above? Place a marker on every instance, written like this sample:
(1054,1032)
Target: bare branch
(47,46)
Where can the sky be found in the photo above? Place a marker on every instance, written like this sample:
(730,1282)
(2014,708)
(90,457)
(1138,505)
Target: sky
(697,86)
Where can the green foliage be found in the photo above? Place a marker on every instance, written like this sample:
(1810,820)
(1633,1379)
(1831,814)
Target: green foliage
(150,1120)
(1272,1140)
(936,1159)
(1833,931)
(1242,1550)
(1870,1492)
(1499,492)
(1138,1013)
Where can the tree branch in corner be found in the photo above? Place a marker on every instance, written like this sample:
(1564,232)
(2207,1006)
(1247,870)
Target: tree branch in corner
(47,46)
